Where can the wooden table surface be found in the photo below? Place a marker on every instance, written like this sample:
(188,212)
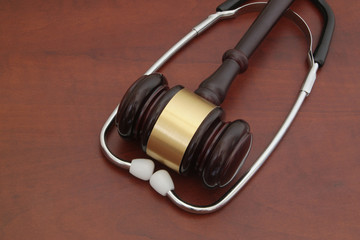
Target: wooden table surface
(65,65)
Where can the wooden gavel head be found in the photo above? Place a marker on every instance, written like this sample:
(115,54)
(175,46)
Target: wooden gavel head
(183,130)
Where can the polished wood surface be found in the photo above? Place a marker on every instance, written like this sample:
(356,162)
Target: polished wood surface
(65,65)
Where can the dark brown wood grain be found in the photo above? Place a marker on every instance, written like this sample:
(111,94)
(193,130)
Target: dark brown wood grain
(65,65)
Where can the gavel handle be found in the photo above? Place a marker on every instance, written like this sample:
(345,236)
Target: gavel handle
(235,61)
(262,26)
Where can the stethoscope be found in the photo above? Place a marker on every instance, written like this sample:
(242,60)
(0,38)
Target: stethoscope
(161,180)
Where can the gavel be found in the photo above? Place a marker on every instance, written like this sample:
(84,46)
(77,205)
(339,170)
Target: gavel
(185,130)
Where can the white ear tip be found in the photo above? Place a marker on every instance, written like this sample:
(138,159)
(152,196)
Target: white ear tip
(161,182)
(142,168)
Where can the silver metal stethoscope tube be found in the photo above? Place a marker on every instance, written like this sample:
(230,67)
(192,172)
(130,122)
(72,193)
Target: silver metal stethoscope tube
(304,92)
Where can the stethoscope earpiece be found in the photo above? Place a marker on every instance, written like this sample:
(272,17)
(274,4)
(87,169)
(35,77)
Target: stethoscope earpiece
(160,181)
(142,168)
(185,130)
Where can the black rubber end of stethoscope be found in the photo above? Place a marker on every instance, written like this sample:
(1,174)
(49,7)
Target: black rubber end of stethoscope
(230,5)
